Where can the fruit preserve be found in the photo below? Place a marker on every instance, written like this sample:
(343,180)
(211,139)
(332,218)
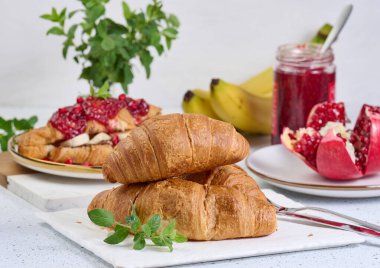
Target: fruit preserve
(302,78)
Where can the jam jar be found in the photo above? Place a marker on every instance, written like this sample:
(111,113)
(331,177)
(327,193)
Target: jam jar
(303,77)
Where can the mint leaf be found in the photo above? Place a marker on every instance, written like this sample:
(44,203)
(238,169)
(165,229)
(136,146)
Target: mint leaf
(180,238)
(56,31)
(108,44)
(158,241)
(146,229)
(170,228)
(139,241)
(154,222)
(126,11)
(174,20)
(101,217)
(133,220)
(120,234)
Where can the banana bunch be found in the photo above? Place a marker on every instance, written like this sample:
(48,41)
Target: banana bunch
(247,106)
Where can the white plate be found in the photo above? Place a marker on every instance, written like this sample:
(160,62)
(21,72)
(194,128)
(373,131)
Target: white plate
(54,168)
(277,166)
(291,236)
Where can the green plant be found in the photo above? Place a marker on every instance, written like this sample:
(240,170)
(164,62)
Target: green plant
(150,230)
(11,127)
(105,48)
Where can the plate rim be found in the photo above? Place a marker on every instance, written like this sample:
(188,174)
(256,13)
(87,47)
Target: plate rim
(55,166)
(305,185)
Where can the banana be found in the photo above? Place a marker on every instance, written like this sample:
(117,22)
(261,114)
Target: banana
(260,85)
(197,101)
(100,137)
(79,140)
(245,111)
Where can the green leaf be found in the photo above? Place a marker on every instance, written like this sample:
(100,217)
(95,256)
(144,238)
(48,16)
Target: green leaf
(56,31)
(139,241)
(71,31)
(133,220)
(54,14)
(170,33)
(146,59)
(174,20)
(180,238)
(101,217)
(108,44)
(146,229)
(170,228)
(95,12)
(168,243)
(158,241)
(120,234)
(22,124)
(126,11)
(103,92)
(47,17)
(154,222)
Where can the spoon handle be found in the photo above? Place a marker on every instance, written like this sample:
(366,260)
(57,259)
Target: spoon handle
(342,19)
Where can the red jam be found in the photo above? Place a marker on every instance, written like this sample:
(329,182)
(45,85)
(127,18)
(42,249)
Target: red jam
(72,120)
(302,79)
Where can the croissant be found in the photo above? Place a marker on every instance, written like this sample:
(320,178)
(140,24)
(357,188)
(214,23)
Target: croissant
(220,204)
(170,145)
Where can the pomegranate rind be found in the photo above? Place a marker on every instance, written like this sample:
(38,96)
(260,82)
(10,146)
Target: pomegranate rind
(373,158)
(289,144)
(333,159)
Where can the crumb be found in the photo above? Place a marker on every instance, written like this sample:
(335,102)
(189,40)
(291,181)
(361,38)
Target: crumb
(78,222)
(309,235)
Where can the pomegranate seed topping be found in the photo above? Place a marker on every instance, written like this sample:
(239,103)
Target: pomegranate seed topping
(69,161)
(122,97)
(86,164)
(79,100)
(115,139)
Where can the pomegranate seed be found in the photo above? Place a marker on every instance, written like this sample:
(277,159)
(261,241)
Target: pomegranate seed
(45,158)
(115,139)
(62,110)
(69,161)
(79,100)
(86,164)
(122,97)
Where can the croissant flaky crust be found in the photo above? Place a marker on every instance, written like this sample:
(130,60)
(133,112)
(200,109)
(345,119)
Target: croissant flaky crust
(170,145)
(220,204)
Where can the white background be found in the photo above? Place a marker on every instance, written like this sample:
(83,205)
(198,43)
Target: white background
(218,38)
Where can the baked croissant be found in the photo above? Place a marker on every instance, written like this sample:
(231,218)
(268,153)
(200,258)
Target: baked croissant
(170,145)
(220,204)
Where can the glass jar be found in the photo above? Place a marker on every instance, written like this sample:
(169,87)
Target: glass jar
(302,78)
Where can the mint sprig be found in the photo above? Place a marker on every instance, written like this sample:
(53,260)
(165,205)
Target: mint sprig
(11,127)
(108,50)
(150,230)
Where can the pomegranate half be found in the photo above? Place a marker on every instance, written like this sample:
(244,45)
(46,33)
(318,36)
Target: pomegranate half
(333,151)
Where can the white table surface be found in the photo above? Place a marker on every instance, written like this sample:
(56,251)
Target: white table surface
(25,241)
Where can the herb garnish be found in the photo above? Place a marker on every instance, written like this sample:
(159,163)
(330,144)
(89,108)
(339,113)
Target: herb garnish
(11,127)
(150,230)
(105,48)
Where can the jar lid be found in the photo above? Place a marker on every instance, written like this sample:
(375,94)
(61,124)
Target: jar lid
(303,54)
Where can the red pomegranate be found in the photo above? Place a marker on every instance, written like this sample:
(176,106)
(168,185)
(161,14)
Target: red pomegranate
(333,151)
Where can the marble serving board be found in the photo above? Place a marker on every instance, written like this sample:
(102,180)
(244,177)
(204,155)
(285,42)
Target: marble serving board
(53,193)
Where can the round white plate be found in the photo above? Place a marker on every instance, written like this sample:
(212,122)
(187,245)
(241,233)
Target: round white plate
(54,168)
(279,167)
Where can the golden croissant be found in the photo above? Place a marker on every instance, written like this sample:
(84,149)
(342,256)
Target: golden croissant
(171,145)
(219,204)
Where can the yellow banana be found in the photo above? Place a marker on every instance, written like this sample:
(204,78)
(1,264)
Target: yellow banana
(245,111)
(261,84)
(197,101)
